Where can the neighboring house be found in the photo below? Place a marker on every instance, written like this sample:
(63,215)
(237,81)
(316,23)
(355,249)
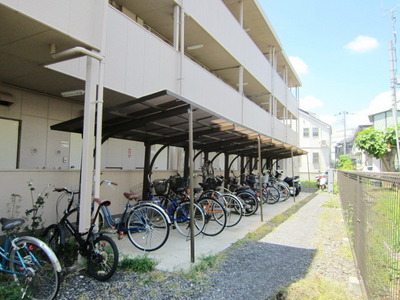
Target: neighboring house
(381,121)
(361,161)
(148,63)
(315,138)
(384,119)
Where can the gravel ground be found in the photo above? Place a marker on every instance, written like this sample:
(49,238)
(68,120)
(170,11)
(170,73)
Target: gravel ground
(310,242)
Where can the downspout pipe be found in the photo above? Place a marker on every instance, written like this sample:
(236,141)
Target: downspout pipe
(74,51)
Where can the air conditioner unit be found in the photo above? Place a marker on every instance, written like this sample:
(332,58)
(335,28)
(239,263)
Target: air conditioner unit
(324,143)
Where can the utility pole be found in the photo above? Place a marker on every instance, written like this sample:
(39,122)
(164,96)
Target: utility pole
(393,82)
(344,113)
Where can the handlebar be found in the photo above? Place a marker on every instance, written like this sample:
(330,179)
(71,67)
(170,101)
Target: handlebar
(64,189)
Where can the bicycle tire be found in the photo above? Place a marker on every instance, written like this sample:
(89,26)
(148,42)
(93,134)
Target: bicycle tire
(42,275)
(272,195)
(62,243)
(148,228)
(233,208)
(249,201)
(215,216)
(102,258)
(182,219)
(283,190)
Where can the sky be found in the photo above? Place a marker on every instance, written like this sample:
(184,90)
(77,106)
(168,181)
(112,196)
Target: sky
(340,50)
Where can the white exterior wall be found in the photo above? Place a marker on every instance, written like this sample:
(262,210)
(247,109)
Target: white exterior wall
(139,63)
(80,19)
(320,145)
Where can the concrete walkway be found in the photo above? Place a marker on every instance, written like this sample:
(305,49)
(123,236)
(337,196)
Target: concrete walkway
(175,255)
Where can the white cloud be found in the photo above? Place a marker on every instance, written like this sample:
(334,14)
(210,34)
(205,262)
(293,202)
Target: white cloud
(380,103)
(362,44)
(299,65)
(308,103)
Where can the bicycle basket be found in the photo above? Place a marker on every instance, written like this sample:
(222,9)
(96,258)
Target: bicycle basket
(160,186)
(212,183)
(177,183)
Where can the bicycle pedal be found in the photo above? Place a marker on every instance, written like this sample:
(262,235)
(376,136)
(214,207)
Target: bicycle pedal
(120,236)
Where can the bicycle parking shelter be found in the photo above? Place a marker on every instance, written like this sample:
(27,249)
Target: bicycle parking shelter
(164,118)
(171,120)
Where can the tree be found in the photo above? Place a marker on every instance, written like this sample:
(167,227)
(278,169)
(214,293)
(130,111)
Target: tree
(345,163)
(378,144)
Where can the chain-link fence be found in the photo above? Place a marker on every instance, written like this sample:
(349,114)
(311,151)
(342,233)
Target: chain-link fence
(371,204)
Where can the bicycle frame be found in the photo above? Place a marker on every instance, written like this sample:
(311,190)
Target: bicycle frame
(7,246)
(5,259)
(83,243)
(121,226)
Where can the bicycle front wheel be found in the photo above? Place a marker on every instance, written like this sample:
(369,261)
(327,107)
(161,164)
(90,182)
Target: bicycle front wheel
(182,219)
(233,208)
(271,195)
(148,228)
(249,201)
(215,216)
(40,277)
(102,258)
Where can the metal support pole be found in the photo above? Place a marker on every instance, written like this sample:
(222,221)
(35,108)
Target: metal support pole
(294,189)
(260,178)
(191,162)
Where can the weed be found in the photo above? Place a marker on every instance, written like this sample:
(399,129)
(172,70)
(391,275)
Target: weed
(14,206)
(9,289)
(331,203)
(197,271)
(35,213)
(317,287)
(138,264)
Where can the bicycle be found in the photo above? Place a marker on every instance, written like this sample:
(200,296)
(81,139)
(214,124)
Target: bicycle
(146,225)
(100,250)
(249,198)
(270,194)
(169,194)
(34,266)
(232,205)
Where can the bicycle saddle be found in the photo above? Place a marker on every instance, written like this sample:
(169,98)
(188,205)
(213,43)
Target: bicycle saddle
(11,223)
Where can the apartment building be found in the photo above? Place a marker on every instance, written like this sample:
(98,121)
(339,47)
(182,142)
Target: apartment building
(159,71)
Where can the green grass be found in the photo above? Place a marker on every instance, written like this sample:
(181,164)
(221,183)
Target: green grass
(206,262)
(331,203)
(138,264)
(9,289)
(317,287)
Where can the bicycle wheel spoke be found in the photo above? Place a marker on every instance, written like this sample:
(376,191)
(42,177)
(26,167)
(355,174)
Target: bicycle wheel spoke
(40,279)
(148,228)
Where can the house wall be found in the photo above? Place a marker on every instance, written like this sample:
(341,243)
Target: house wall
(316,146)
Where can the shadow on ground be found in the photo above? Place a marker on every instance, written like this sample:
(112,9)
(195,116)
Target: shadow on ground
(256,270)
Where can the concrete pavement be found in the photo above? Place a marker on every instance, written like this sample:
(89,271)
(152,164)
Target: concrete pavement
(175,255)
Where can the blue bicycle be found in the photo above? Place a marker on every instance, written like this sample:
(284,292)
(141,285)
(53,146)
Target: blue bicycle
(170,195)
(146,224)
(33,265)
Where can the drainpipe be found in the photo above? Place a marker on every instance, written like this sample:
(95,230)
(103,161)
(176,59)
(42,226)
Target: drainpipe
(88,129)
(74,51)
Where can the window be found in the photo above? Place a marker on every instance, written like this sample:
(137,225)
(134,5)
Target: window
(315,132)
(9,138)
(315,157)
(306,132)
